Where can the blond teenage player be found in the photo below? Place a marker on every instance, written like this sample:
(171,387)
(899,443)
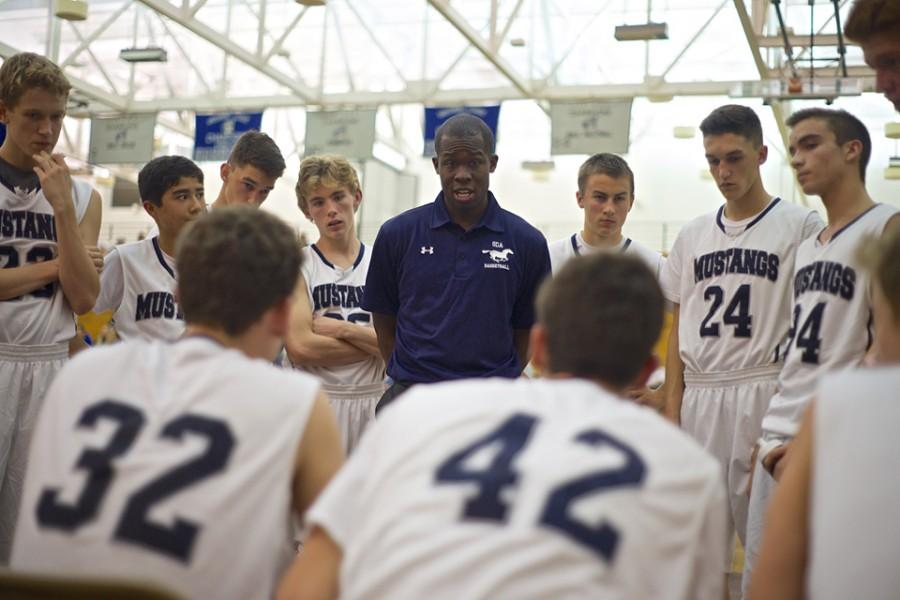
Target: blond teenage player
(832,303)
(138,280)
(605,194)
(184,468)
(729,277)
(49,261)
(331,336)
(530,488)
(833,526)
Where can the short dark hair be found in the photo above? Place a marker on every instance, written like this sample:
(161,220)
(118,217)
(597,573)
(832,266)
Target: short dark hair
(602,314)
(605,164)
(872,17)
(880,256)
(162,173)
(234,264)
(258,150)
(465,125)
(736,119)
(845,128)
(27,70)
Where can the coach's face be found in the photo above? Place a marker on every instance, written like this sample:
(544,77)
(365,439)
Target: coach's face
(882,53)
(464,165)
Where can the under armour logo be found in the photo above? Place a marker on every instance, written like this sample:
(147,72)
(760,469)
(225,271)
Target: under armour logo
(427,250)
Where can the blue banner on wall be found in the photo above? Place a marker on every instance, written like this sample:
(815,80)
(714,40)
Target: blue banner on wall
(435,117)
(215,134)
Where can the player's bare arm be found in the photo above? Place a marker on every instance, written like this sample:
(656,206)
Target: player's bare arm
(674,383)
(781,571)
(306,347)
(358,335)
(314,575)
(319,455)
(521,339)
(22,280)
(77,273)
(386,330)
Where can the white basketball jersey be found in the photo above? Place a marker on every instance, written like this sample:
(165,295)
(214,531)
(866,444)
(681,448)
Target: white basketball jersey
(337,293)
(563,250)
(537,488)
(732,281)
(28,235)
(831,328)
(138,285)
(855,512)
(168,462)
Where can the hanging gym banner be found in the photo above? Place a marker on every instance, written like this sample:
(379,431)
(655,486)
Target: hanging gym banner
(435,117)
(215,134)
(590,127)
(122,140)
(350,133)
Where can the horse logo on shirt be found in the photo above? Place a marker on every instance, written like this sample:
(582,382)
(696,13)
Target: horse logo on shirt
(499,256)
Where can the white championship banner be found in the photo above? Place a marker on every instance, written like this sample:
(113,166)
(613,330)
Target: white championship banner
(350,133)
(122,140)
(590,127)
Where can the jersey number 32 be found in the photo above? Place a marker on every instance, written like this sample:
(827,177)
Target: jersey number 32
(134,526)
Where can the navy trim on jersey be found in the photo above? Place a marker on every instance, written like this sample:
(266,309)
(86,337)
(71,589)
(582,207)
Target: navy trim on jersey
(758,218)
(322,256)
(575,245)
(627,243)
(845,227)
(161,257)
(763,213)
(359,257)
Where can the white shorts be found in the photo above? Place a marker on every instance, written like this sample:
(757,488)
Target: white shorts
(724,412)
(25,375)
(764,486)
(354,409)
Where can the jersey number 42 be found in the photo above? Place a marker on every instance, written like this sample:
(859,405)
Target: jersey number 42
(508,440)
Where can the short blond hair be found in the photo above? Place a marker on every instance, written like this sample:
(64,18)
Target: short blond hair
(26,70)
(326,169)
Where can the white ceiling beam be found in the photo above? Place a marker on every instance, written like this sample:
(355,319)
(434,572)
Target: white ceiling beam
(86,42)
(214,37)
(89,90)
(799,41)
(468,32)
(499,39)
(276,47)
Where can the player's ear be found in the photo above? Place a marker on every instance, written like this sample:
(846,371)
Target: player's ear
(852,150)
(224,170)
(537,344)
(650,365)
(763,154)
(579,198)
(357,198)
(149,207)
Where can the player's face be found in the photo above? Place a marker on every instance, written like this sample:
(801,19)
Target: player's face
(882,53)
(465,167)
(819,161)
(33,125)
(181,204)
(332,210)
(245,184)
(606,201)
(734,163)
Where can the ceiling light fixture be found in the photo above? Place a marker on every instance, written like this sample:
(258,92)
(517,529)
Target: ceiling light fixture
(642,32)
(149,54)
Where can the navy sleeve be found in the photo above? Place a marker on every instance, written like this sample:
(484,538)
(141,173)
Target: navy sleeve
(537,267)
(381,293)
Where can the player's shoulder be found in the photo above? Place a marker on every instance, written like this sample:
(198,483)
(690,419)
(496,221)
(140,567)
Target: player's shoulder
(699,223)
(796,213)
(133,249)
(560,246)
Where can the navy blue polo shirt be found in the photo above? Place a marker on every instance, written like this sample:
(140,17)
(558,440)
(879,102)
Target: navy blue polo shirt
(457,295)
